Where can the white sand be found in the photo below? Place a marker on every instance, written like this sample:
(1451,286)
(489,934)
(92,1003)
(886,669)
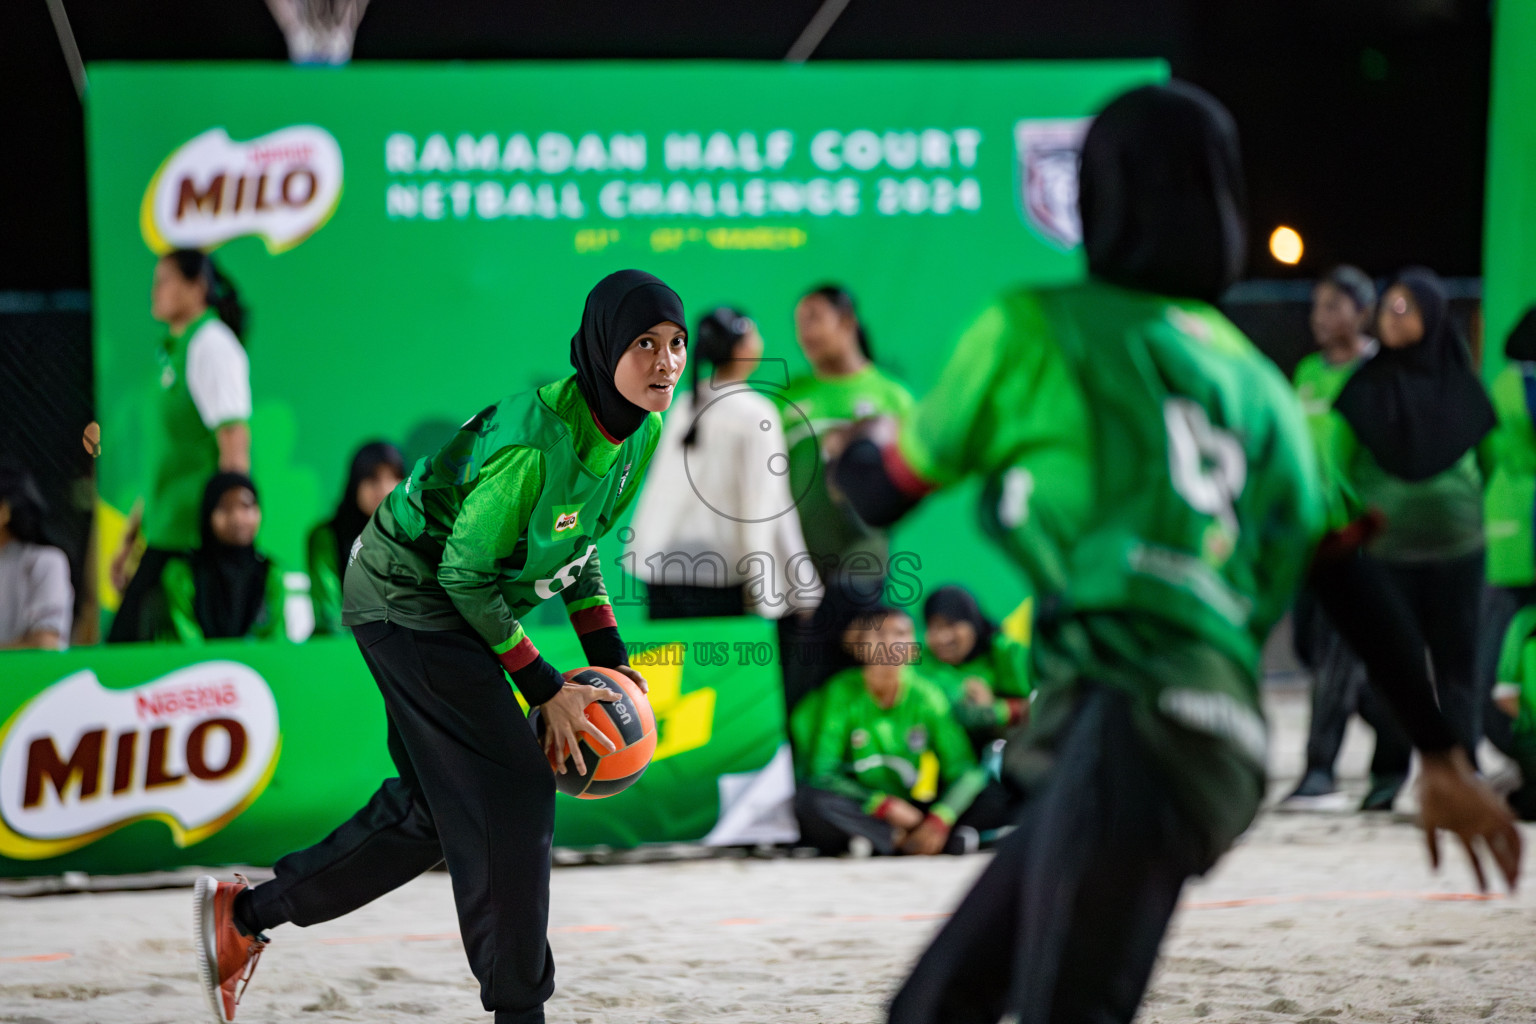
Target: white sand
(1313,918)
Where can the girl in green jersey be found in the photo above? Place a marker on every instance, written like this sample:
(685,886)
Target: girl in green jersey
(226,588)
(376,468)
(1152,472)
(852,557)
(504,517)
(199,425)
(990,668)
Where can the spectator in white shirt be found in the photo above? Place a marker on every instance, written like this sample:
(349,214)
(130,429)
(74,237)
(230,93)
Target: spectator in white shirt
(715,532)
(36,597)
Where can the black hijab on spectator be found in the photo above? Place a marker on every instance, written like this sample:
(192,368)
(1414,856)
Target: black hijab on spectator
(1161,193)
(231,582)
(1522,340)
(622,306)
(1419,409)
(958,605)
(713,342)
(348,522)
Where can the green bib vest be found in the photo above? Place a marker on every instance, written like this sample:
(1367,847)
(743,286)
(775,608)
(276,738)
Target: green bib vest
(182,454)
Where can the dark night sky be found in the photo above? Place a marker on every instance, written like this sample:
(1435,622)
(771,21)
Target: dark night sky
(1364,122)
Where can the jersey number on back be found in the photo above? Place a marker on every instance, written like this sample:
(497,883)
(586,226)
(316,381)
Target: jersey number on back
(1206,463)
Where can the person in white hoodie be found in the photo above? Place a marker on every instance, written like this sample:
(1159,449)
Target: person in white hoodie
(715,532)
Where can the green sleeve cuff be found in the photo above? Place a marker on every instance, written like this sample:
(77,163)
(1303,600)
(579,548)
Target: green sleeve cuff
(872,804)
(511,641)
(582,604)
(944,814)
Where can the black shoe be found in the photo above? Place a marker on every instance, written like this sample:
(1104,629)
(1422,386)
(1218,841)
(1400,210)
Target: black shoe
(1383,792)
(1316,792)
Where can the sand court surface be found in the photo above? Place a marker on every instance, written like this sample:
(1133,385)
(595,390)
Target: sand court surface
(1313,918)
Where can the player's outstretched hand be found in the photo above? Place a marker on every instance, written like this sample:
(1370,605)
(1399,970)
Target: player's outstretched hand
(1454,798)
(565,716)
(636,677)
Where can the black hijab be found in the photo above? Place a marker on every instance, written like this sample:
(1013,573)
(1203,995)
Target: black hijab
(1419,409)
(1521,345)
(231,582)
(713,342)
(349,520)
(1161,193)
(619,309)
(958,605)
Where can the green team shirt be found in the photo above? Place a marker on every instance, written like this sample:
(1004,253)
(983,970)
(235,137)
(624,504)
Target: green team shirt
(1509,503)
(1318,383)
(181,452)
(1426,520)
(1517,668)
(867,752)
(1152,474)
(324,580)
(504,517)
(813,407)
(180,625)
(1005,670)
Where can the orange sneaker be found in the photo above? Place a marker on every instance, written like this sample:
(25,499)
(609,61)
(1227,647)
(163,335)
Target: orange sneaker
(226,956)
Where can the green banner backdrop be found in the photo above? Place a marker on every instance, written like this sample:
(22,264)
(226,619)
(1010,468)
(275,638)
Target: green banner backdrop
(416,241)
(138,757)
(1509,238)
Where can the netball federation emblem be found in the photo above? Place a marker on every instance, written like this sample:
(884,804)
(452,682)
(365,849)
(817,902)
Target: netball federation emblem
(1048,153)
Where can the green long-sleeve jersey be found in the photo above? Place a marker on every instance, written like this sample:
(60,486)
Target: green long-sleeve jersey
(1509,503)
(811,408)
(324,580)
(504,517)
(867,752)
(1005,670)
(1437,518)
(1152,474)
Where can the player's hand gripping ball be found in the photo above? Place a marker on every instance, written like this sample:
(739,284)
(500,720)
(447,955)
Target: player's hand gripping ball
(627,723)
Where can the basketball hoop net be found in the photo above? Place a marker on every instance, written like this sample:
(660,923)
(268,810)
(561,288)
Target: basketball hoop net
(318,31)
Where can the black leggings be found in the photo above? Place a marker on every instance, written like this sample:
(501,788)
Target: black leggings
(1446,597)
(1065,923)
(1340,688)
(474,789)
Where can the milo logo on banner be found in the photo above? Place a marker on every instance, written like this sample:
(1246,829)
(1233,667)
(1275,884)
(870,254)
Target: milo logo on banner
(191,749)
(281,187)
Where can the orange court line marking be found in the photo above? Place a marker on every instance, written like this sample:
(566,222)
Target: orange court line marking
(39,958)
(733,922)
(1342,897)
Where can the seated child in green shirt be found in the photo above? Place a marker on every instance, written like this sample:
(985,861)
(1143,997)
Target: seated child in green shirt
(1515,695)
(987,670)
(874,727)
(226,588)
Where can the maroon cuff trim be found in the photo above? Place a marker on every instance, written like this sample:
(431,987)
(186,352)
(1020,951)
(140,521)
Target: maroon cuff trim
(901,474)
(884,807)
(599,616)
(1017,707)
(520,656)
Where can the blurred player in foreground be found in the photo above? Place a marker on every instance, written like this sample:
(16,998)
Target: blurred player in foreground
(1152,473)
(503,518)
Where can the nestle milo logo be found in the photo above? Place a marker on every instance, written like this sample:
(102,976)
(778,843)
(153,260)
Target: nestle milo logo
(192,749)
(282,187)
